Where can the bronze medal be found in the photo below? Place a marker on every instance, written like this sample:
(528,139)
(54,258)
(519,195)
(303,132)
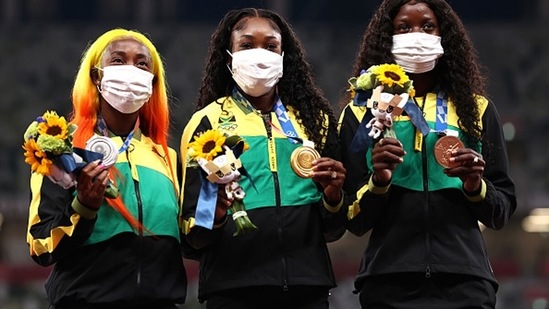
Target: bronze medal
(443,150)
(302,160)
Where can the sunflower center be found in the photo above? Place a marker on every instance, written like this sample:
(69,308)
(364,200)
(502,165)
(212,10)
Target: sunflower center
(392,75)
(208,146)
(54,130)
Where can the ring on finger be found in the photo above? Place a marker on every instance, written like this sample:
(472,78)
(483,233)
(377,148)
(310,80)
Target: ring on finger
(334,175)
(381,142)
(475,160)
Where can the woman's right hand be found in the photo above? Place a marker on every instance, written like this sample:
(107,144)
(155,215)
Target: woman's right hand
(386,156)
(223,203)
(91,184)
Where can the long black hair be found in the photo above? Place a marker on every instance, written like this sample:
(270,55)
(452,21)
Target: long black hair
(459,74)
(296,87)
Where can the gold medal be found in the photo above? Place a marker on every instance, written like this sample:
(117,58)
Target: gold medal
(443,150)
(302,160)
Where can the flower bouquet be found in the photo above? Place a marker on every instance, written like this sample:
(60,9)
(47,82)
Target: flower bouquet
(390,88)
(49,151)
(218,156)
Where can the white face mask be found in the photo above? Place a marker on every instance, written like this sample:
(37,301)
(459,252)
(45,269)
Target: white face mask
(256,71)
(417,52)
(126,87)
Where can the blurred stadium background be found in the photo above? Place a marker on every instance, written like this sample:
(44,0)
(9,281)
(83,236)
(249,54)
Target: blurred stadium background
(41,42)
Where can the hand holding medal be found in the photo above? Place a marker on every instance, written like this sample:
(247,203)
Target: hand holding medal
(105,146)
(449,150)
(447,155)
(303,162)
(329,173)
(459,161)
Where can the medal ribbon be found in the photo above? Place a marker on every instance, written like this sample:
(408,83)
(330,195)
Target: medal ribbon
(102,127)
(288,129)
(441,123)
(207,200)
(294,139)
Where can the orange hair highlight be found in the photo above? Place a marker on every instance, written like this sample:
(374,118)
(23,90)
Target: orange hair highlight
(154,116)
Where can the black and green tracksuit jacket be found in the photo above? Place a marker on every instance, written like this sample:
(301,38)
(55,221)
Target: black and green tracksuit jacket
(294,223)
(98,257)
(423,221)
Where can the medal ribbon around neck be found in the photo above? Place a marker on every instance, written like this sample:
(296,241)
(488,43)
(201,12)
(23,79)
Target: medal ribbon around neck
(285,122)
(102,127)
(441,123)
(303,156)
(448,139)
(288,129)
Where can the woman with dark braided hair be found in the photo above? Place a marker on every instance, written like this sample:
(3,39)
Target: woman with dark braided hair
(258,85)
(422,194)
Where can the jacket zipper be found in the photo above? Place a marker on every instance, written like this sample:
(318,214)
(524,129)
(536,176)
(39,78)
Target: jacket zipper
(426,199)
(266,119)
(426,207)
(140,219)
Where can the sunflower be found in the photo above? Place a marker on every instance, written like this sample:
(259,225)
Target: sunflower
(51,124)
(36,158)
(389,74)
(207,145)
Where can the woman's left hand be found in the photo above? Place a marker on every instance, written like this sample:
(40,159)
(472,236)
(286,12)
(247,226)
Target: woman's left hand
(330,174)
(468,165)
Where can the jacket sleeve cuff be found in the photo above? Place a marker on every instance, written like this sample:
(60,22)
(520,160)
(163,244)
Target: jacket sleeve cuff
(375,189)
(477,196)
(330,208)
(82,210)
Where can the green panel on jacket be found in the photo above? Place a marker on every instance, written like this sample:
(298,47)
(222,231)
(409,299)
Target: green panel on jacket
(294,190)
(157,194)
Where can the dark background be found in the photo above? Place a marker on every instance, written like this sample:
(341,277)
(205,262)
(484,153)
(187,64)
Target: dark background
(41,42)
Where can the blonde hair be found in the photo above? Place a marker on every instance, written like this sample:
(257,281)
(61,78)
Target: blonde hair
(153,116)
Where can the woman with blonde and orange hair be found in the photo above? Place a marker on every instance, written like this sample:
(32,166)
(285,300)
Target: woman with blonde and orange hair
(121,251)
